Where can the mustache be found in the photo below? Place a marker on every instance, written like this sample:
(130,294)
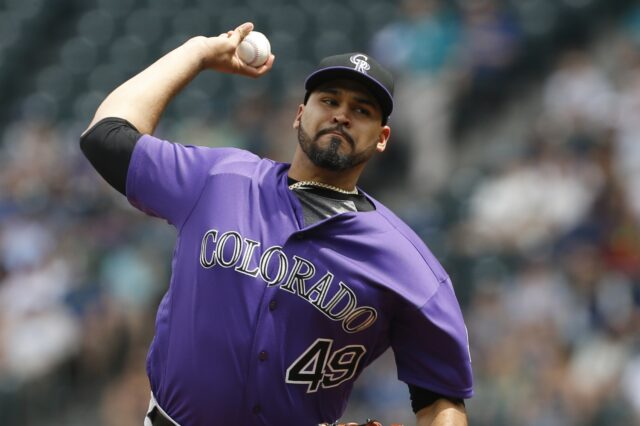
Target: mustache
(338,129)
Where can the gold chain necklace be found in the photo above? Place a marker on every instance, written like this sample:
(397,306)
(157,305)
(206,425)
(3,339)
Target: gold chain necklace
(322,185)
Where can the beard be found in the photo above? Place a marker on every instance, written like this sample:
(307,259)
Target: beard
(330,157)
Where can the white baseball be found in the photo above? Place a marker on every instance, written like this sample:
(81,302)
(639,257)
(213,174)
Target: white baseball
(254,49)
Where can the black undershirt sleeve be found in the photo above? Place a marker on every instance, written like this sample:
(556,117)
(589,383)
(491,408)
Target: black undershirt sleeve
(421,398)
(108,146)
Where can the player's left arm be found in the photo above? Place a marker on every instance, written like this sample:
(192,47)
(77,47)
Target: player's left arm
(443,412)
(431,349)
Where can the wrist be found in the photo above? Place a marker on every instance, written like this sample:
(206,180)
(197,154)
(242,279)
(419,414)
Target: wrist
(199,48)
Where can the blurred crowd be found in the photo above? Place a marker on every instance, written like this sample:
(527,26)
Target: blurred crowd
(524,179)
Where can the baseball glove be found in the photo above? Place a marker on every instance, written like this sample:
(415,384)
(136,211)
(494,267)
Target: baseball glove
(368,423)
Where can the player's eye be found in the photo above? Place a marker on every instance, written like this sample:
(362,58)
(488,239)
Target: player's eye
(329,101)
(363,111)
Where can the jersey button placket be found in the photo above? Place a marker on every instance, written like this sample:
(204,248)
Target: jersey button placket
(263,356)
(273,305)
(257,409)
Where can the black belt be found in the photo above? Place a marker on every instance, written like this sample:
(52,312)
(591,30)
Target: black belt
(158,418)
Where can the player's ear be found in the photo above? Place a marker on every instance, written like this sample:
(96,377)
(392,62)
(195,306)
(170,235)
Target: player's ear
(296,122)
(383,137)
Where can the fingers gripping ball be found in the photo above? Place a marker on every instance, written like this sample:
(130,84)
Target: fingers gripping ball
(254,50)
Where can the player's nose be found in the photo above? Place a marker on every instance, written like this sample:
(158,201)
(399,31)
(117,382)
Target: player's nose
(341,117)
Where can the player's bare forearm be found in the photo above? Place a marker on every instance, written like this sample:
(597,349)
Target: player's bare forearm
(443,412)
(142,99)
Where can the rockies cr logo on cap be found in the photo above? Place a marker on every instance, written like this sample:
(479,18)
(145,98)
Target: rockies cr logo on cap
(360,62)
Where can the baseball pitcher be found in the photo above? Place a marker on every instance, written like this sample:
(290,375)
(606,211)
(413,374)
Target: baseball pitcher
(287,279)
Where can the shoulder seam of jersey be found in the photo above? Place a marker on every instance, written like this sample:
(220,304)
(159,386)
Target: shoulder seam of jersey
(446,276)
(440,284)
(195,203)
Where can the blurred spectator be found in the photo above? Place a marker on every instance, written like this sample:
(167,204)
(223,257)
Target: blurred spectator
(627,144)
(578,96)
(533,201)
(491,45)
(631,384)
(421,47)
(423,41)
(127,396)
(492,40)
(631,24)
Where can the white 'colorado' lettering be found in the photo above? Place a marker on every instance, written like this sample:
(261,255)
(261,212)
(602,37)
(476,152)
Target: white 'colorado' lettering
(298,277)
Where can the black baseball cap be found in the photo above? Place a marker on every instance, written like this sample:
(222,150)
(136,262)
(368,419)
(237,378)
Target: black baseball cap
(358,66)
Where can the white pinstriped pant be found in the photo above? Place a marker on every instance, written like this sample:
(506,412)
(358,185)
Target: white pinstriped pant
(154,404)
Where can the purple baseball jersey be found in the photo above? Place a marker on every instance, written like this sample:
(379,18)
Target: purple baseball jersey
(269,322)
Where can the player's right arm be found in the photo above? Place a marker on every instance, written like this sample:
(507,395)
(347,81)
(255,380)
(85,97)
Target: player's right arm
(142,99)
(134,109)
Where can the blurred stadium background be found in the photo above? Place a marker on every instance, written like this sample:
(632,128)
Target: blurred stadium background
(515,155)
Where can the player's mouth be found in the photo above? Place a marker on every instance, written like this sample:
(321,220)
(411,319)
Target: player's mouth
(336,132)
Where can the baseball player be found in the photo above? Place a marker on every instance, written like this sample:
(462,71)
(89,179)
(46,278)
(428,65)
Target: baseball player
(287,279)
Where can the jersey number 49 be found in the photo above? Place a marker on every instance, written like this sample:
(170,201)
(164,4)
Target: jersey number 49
(318,366)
